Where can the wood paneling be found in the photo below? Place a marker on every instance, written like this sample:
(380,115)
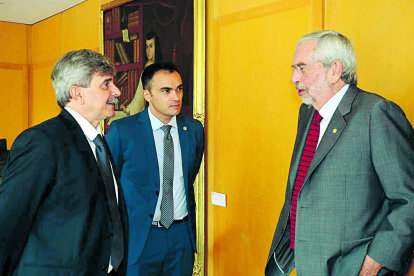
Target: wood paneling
(252,117)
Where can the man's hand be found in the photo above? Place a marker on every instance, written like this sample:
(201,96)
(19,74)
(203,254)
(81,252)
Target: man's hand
(370,267)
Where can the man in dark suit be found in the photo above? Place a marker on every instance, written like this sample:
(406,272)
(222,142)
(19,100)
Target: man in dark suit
(59,214)
(350,193)
(157,156)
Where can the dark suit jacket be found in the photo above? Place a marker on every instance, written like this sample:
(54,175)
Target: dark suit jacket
(132,145)
(358,196)
(55,216)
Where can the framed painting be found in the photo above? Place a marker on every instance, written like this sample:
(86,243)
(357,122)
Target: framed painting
(137,33)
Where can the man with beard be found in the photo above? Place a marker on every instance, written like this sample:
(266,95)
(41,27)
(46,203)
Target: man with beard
(350,194)
(62,210)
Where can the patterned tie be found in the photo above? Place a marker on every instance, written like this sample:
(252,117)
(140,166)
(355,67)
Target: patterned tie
(117,251)
(167,201)
(305,161)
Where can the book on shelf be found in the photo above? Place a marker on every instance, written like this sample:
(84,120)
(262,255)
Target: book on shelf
(127,83)
(123,77)
(121,53)
(108,22)
(133,19)
(116,20)
(134,14)
(136,50)
(112,50)
(133,24)
(131,79)
(109,51)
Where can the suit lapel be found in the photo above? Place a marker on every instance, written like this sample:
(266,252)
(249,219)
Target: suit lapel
(83,147)
(334,130)
(183,133)
(145,135)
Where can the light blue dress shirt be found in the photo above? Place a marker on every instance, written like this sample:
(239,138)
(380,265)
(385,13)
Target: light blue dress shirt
(180,201)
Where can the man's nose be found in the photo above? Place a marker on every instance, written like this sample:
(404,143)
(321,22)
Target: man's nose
(115,91)
(295,76)
(174,95)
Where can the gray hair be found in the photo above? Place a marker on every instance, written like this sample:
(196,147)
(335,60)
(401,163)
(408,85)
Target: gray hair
(334,46)
(78,68)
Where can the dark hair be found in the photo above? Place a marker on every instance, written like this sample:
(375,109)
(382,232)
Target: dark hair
(152,69)
(157,45)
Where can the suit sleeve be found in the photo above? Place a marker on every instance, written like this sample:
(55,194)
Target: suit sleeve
(27,179)
(392,149)
(114,142)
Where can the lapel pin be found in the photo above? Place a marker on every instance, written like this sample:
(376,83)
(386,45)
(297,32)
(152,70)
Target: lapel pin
(334,130)
(185,128)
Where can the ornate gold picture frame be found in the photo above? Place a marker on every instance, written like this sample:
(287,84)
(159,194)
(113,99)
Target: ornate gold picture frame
(198,108)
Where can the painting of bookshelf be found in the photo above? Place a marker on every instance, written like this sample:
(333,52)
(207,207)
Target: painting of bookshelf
(166,27)
(123,32)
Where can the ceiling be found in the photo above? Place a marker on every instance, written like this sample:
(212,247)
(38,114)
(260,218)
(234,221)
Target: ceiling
(33,11)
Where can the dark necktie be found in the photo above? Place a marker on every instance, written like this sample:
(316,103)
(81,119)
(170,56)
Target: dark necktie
(167,201)
(305,161)
(117,251)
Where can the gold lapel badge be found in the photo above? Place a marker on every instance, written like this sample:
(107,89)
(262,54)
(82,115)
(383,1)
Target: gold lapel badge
(334,130)
(185,128)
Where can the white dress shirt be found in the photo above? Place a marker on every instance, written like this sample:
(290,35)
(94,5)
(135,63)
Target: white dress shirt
(180,201)
(91,133)
(328,109)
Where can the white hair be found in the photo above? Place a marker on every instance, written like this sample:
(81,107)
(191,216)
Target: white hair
(334,46)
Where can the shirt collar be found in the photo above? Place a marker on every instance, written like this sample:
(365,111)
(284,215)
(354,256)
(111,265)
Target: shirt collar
(89,131)
(328,109)
(156,123)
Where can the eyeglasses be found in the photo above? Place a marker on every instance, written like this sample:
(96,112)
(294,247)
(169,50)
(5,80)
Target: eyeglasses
(301,67)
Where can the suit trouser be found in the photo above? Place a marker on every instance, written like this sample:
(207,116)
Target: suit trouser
(166,252)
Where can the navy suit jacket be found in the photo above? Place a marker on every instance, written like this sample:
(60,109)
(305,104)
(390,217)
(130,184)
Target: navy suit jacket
(54,210)
(132,145)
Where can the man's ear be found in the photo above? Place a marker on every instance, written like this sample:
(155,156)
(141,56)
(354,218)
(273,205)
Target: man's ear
(76,94)
(335,71)
(147,95)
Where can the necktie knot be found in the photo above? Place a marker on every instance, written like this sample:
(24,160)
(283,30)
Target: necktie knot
(98,141)
(317,117)
(166,129)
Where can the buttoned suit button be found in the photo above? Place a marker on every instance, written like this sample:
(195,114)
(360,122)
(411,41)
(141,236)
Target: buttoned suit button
(151,216)
(110,236)
(157,193)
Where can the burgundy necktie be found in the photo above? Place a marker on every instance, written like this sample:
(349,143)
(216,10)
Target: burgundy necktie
(305,161)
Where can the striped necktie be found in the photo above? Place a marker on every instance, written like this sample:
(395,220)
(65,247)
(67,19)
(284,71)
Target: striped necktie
(305,161)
